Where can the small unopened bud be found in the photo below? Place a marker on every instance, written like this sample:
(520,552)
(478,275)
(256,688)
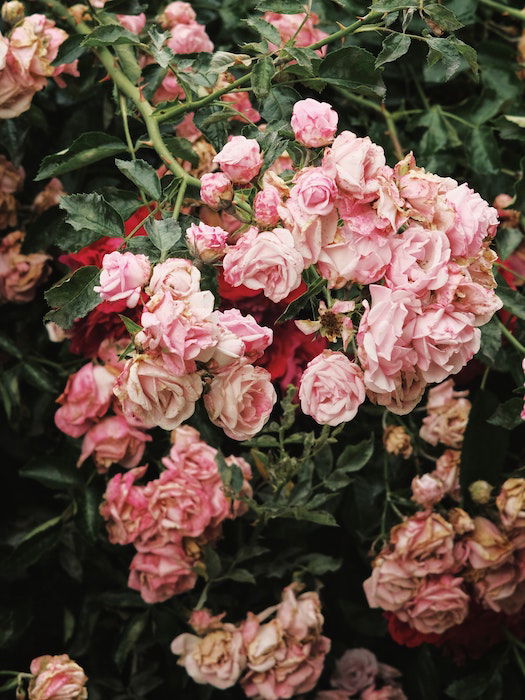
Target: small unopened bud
(397,441)
(13,12)
(480,491)
(80,13)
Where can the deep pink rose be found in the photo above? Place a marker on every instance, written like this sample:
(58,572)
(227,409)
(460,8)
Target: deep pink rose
(113,440)
(265,206)
(314,123)
(358,163)
(133,23)
(240,159)
(439,604)
(267,260)
(122,277)
(216,190)
(332,388)
(161,573)
(177,13)
(240,400)
(57,678)
(315,191)
(85,399)
(125,507)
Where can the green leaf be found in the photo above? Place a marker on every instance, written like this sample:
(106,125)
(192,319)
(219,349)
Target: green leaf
(216,133)
(507,240)
(303,56)
(69,50)
(39,377)
(354,457)
(110,35)
(8,346)
(392,5)
(212,562)
(319,564)
(287,7)
(295,306)
(484,152)
(394,46)
(490,341)
(141,174)
(353,68)
(320,517)
(262,74)
(161,53)
(242,576)
(164,234)
(508,414)
(444,18)
(131,326)
(88,512)
(453,56)
(73,296)
(182,148)
(513,301)
(92,212)
(278,105)
(51,472)
(124,202)
(474,686)
(436,136)
(86,149)
(264,29)
(129,638)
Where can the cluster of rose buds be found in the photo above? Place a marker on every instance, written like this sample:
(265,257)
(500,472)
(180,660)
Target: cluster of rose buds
(26,57)
(420,243)
(56,678)
(171,518)
(281,657)
(358,674)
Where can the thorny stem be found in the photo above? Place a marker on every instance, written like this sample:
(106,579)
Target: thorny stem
(180,199)
(514,341)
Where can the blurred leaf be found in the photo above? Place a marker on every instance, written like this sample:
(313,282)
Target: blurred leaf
(86,149)
(39,377)
(242,576)
(353,68)
(512,300)
(110,35)
(262,74)
(507,240)
(354,457)
(69,50)
(483,151)
(264,29)
(130,637)
(73,296)
(141,174)
(508,414)
(182,148)
(391,5)
(8,345)
(88,511)
(287,7)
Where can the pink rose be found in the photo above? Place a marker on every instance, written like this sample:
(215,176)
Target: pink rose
(161,573)
(439,604)
(111,441)
(310,232)
(474,221)
(423,192)
(190,38)
(218,658)
(487,546)
(447,415)
(240,400)
(314,123)
(300,616)
(332,388)
(122,277)
(366,257)
(267,261)
(424,544)
(419,260)
(255,338)
(216,190)
(447,471)
(315,191)
(391,584)
(332,695)
(57,678)
(265,206)
(85,399)
(387,692)
(125,507)
(169,89)
(133,23)
(177,13)
(177,275)
(149,391)
(355,670)
(476,299)
(300,27)
(497,588)
(427,490)
(511,503)
(207,242)
(240,159)
(358,163)
(20,274)
(240,101)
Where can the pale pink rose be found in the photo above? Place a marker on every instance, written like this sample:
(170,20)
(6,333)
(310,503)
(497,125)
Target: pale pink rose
(267,261)
(427,490)
(177,275)
(497,588)
(240,400)
(186,129)
(110,350)
(310,232)
(57,678)
(511,503)
(409,387)
(422,192)
(169,89)
(148,390)
(444,341)
(133,23)
(476,299)
(240,159)
(314,123)
(389,205)
(331,388)
(391,584)
(314,192)
(419,260)
(440,603)
(161,573)
(447,470)
(355,670)
(177,13)
(218,658)
(122,277)
(487,546)
(424,544)
(358,163)
(447,415)
(371,256)
(113,440)
(383,345)
(265,206)
(125,507)
(216,190)
(209,243)
(202,621)
(85,399)
(302,28)
(20,274)
(361,218)
(474,221)
(255,338)
(189,38)
(300,616)
(240,101)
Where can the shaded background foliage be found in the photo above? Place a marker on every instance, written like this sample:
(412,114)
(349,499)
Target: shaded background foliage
(63,585)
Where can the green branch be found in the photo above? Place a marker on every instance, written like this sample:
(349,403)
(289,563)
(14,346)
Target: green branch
(504,9)
(510,337)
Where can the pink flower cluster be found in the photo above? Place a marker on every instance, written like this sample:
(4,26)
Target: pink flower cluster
(433,565)
(281,657)
(171,518)
(185,347)
(56,678)
(358,674)
(447,415)
(419,241)
(25,63)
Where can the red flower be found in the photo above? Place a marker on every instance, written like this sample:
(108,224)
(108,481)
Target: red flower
(101,323)
(91,254)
